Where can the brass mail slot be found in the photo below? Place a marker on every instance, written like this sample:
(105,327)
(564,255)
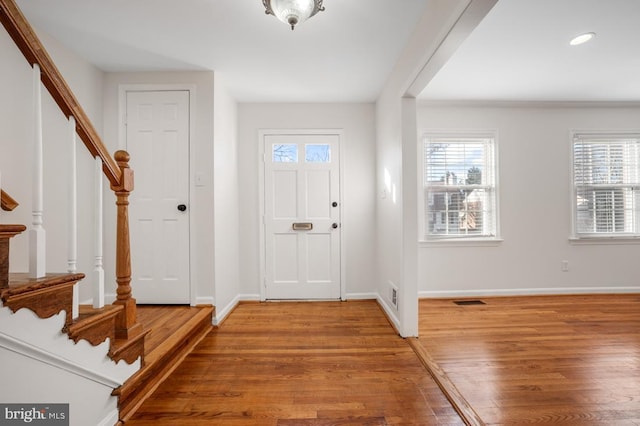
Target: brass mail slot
(302,226)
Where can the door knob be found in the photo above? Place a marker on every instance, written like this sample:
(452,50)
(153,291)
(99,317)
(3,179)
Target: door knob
(334,225)
(334,204)
(182,207)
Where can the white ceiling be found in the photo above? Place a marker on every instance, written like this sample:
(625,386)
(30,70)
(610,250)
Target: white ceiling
(521,52)
(344,54)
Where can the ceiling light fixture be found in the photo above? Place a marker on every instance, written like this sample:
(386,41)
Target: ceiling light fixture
(582,38)
(292,12)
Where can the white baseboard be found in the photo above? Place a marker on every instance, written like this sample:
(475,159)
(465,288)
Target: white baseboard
(110,419)
(222,313)
(390,311)
(249,297)
(527,292)
(361,296)
(204,301)
(54,360)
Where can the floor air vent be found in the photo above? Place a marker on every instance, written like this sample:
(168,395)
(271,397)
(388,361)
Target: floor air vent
(468,302)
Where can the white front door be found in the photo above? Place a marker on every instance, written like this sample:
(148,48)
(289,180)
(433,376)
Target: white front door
(302,216)
(157,132)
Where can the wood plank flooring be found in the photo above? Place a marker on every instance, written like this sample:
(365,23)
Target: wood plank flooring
(562,360)
(164,321)
(174,331)
(326,363)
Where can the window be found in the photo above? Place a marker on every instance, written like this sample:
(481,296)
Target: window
(313,153)
(318,153)
(285,153)
(606,183)
(459,187)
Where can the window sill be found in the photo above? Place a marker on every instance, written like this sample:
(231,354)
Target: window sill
(462,242)
(609,240)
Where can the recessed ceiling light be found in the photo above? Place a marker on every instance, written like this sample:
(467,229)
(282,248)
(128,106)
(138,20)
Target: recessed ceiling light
(582,38)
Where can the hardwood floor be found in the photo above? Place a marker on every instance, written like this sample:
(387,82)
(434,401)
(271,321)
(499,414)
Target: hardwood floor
(174,331)
(328,363)
(566,360)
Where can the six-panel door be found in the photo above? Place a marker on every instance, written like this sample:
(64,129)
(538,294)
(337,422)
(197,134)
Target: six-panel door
(302,216)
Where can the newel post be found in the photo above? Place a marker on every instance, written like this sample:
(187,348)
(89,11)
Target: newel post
(127,325)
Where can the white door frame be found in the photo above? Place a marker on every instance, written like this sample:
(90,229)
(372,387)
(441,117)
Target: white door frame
(122,144)
(261,170)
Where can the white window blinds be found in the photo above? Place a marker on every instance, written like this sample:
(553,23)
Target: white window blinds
(459,187)
(606,176)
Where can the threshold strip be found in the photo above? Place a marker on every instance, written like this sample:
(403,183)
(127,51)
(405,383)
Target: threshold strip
(453,395)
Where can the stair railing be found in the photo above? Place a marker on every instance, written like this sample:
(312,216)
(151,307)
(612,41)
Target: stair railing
(115,169)
(7,203)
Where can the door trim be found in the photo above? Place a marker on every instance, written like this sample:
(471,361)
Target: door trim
(262,133)
(122,144)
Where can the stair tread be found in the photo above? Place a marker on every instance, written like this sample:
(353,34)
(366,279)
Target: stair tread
(89,315)
(11,230)
(120,343)
(161,361)
(88,311)
(187,330)
(94,325)
(129,349)
(20,283)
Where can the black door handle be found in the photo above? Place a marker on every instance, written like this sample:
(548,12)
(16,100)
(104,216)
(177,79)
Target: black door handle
(182,207)
(334,226)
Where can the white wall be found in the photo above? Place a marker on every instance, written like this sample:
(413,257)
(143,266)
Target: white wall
(225,247)
(16,150)
(389,206)
(534,149)
(89,402)
(201,196)
(396,171)
(358,154)
(44,366)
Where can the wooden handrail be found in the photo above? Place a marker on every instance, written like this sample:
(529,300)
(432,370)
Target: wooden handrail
(34,52)
(115,169)
(7,203)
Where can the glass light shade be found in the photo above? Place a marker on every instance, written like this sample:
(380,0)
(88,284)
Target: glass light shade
(292,12)
(582,38)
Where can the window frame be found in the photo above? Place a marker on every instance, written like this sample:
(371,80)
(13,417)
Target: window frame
(425,238)
(613,137)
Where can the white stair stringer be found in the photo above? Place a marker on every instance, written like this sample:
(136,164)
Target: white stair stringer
(40,364)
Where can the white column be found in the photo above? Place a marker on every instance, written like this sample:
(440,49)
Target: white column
(37,235)
(72,238)
(98,271)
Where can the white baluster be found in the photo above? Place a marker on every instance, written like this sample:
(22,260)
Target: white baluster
(37,265)
(98,272)
(72,238)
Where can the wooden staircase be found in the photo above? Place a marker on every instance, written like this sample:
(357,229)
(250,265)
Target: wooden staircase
(49,295)
(53,293)
(171,336)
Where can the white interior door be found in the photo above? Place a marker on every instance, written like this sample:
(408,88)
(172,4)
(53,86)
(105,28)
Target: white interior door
(302,216)
(157,132)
